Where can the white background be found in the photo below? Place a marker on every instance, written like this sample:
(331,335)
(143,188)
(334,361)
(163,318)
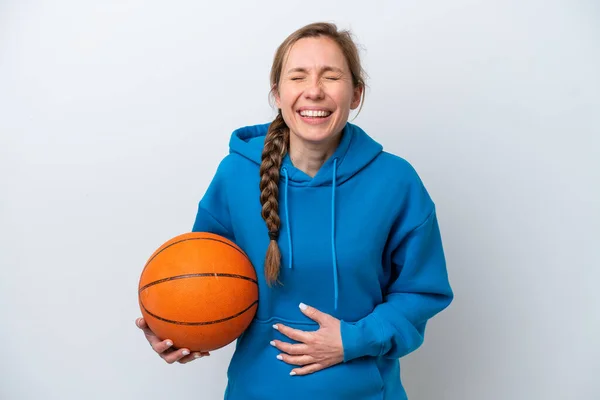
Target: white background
(115,114)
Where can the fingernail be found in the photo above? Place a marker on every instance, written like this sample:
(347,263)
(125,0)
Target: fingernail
(275,327)
(292,373)
(302,307)
(185,352)
(169,343)
(279,357)
(272,343)
(196,355)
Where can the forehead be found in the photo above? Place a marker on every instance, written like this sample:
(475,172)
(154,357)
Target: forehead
(310,53)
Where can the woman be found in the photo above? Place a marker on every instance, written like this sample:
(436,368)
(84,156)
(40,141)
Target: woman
(347,234)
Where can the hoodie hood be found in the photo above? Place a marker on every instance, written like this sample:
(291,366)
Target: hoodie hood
(355,151)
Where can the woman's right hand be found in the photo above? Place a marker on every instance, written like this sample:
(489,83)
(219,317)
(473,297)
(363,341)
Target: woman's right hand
(163,347)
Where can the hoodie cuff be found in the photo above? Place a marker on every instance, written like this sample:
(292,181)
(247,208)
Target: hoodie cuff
(361,338)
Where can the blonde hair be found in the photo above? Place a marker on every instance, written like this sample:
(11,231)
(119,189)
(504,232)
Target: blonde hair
(278,136)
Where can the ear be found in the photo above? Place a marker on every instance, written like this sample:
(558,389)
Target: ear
(356,97)
(275,92)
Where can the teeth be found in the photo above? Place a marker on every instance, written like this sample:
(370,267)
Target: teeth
(314,113)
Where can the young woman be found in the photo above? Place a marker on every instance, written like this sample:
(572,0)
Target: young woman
(344,237)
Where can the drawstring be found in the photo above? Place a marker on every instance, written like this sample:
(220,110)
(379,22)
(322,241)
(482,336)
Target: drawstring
(287,217)
(289,229)
(333,255)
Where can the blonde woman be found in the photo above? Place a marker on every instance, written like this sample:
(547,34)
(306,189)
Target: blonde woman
(344,237)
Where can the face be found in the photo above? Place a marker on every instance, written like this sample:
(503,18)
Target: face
(316,92)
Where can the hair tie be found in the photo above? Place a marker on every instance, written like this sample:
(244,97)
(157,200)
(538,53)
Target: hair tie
(273,235)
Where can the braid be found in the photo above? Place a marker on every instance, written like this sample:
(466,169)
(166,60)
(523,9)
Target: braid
(276,144)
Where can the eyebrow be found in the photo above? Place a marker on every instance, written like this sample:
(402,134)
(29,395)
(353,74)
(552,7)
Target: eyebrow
(324,69)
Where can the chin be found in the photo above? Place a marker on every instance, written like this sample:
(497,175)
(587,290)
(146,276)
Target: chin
(316,135)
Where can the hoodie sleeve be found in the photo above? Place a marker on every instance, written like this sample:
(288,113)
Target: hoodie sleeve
(418,289)
(213,209)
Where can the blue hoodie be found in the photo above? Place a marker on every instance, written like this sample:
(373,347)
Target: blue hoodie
(359,241)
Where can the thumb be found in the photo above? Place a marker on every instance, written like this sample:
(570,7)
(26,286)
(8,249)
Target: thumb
(141,323)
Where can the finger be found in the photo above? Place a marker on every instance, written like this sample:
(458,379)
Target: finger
(314,314)
(294,349)
(141,323)
(171,357)
(309,369)
(296,360)
(294,334)
(161,346)
(194,356)
(150,336)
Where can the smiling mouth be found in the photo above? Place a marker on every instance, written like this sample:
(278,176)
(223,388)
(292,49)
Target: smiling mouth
(314,113)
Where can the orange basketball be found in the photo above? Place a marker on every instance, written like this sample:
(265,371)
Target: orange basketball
(198,290)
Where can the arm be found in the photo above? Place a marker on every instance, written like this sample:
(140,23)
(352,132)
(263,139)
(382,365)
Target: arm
(213,209)
(418,290)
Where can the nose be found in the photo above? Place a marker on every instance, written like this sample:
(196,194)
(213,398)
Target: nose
(314,90)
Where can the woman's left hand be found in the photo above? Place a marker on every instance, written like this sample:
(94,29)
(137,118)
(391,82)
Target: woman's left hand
(316,350)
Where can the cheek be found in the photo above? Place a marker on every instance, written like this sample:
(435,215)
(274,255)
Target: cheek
(343,97)
(286,101)
(288,96)
(343,102)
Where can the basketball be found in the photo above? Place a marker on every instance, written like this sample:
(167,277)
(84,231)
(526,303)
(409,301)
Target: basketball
(199,290)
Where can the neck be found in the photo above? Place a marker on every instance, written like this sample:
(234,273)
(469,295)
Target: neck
(309,157)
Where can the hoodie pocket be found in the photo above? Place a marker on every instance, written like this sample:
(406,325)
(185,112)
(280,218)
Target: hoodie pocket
(255,373)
